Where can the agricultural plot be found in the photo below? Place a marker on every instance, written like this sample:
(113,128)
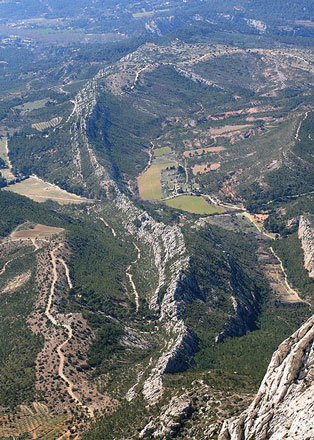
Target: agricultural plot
(28,231)
(3,150)
(162,151)
(228,129)
(40,191)
(200,151)
(32,422)
(149,183)
(194,204)
(41,126)
(205,168)
(32,105)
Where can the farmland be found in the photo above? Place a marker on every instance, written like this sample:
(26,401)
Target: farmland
(40,191)
(3,151)
(41,126)
(200,151)
(32,105)
(194,204)
(149,182)
(162,151)
(32,421)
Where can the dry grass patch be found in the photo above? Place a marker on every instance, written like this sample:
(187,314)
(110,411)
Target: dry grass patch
(38,231)
(149,184)
(40,191)
(200,151)
(204,168)
(229,129)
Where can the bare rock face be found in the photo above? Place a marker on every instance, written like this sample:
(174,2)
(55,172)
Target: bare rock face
(306,235)
(284,405)
(170,420)
(175,285)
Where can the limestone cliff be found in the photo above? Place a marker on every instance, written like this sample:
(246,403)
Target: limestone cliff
(284,405)
(175,284)
(306,236)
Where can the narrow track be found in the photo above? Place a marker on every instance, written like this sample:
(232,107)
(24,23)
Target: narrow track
(130,277)
(292,292)
(67,326)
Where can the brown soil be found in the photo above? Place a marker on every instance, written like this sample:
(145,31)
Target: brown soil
(38,231)
(205,168)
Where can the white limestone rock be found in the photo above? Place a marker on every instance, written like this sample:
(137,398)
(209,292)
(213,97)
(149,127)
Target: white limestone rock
(306,235)
(284,405)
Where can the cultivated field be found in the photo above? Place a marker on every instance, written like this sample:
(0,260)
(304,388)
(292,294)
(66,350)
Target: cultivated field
(228,128)
(32,422)
(41,126)
(149,184)
(194,204)
(3,151)
(32,105)
(162,151)
(200,151)
(40,191)
(36,231)
(205,168)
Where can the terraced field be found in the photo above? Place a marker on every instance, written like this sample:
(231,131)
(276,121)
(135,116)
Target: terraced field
(34,421)
(41,126)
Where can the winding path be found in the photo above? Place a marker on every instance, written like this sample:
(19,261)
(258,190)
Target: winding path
(300,125)
(68,328)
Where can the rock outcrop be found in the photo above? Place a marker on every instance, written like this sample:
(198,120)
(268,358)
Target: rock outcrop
(245,301)
(170,419)
(175,284)
(306,235)
(284,405)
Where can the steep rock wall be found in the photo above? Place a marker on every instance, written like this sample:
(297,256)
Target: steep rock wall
(284,406)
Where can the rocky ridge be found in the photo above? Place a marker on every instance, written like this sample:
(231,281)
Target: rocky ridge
(283,407)
(166,243)
(305,234)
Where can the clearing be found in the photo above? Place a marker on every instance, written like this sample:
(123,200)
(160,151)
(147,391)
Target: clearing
(149,184)
(228,128)
(36,189)
(194,204)
(37,231)
(148,13)
(162,151)
(204,168)
(32,105)
(199,151)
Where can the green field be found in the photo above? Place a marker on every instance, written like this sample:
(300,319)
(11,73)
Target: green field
(162,151)
(194,204)
(3,151)
(32,105)
(149,184)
